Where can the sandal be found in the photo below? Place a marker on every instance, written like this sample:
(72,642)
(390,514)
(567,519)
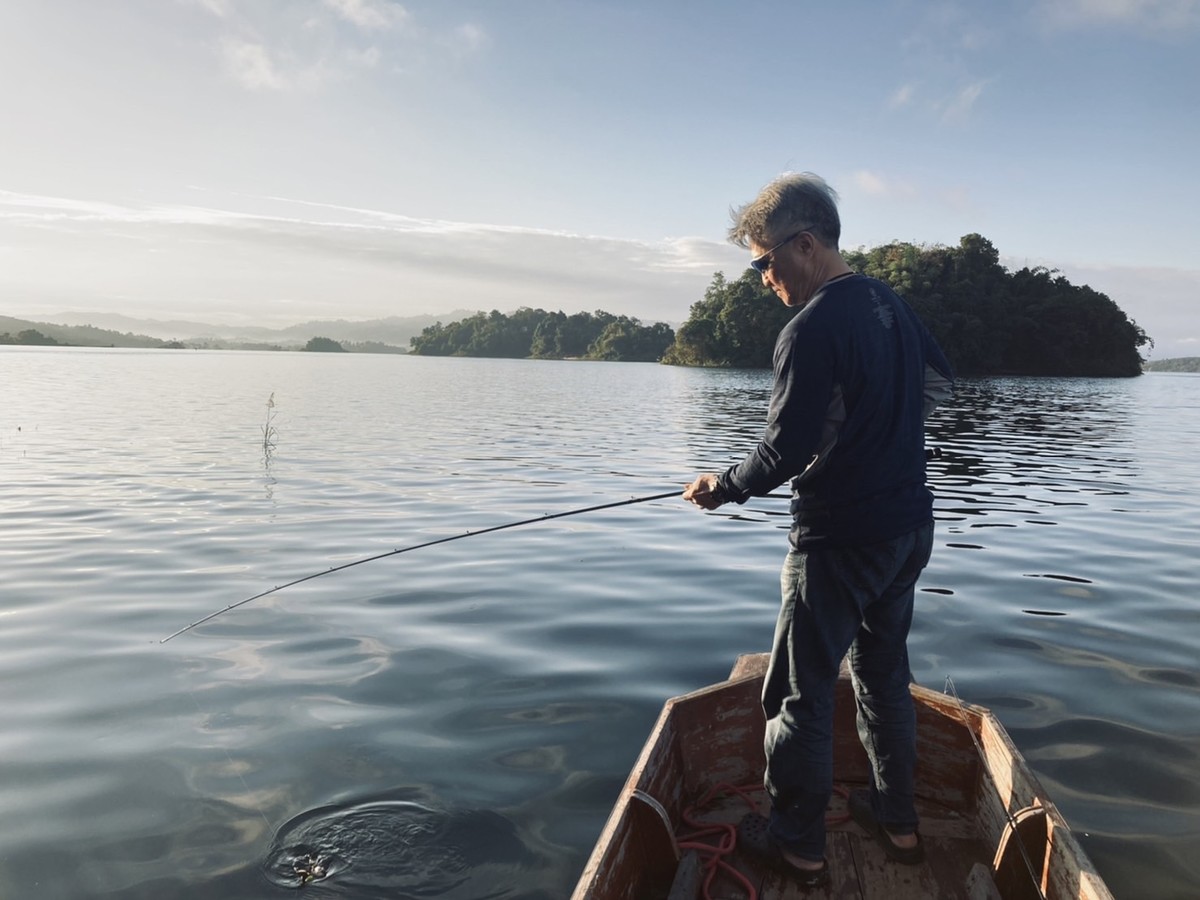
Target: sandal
(754,839)
(859,805)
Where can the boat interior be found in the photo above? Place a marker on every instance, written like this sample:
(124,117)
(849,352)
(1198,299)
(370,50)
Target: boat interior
(990,832)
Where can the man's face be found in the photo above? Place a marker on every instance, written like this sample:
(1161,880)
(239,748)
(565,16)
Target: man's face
(787,268)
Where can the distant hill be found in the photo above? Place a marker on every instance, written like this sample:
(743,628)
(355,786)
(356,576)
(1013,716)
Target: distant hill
(396,330)
(89,329)
(1177,364)
(78,335)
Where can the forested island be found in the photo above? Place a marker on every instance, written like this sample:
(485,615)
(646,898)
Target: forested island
(989,321)
(537,334)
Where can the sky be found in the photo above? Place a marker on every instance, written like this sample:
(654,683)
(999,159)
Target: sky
(269,162)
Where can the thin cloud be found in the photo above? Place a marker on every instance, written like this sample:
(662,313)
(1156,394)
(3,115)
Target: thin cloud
(219,8)
(369,15)
(251,66)
(238,262)
(368,58)
(256,67)
(1147,15)
(870,183)
(902,96)
(960,106)
(306,44)
(942,35)
(874,184)
(469,37)
(28,205)
(943,45)
(693,255)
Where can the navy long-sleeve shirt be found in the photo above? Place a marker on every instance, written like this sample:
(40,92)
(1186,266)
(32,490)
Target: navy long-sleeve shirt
(856,373)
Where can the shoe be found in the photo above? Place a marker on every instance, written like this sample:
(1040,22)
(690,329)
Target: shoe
(859,804)
(754,839)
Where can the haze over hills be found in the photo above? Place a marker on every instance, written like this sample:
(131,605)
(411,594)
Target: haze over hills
(393,330)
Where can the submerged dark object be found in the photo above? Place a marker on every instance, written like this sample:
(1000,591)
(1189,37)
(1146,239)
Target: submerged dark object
(403,848)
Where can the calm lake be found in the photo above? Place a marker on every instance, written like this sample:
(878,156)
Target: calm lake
(456,721)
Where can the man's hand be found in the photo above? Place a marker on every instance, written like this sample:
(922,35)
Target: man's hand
(704,492)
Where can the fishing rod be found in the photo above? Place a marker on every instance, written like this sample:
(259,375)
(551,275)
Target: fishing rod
(445,540)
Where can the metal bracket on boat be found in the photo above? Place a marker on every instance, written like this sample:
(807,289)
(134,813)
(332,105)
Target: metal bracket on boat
(661,814)
(1018,827)
(1024,848)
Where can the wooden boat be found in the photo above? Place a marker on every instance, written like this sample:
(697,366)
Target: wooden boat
(990,831)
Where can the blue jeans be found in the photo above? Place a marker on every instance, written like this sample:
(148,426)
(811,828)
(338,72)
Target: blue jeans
(855,600)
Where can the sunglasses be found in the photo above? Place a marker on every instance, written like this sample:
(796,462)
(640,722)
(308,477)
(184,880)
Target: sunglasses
(761,264)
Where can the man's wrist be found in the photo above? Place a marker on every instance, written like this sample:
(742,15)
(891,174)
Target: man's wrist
(718,492)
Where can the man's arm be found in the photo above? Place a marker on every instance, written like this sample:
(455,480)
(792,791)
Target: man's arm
(939,376)
(939,388)
(800,400)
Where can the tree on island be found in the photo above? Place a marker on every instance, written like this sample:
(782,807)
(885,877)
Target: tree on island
(989,321)
(324,345)
(734,326)
(30,337)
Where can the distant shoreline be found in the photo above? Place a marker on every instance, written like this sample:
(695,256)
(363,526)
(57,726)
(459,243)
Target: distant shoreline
(1174,364)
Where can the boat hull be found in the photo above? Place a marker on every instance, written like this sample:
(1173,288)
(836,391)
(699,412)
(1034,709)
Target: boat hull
(974,797)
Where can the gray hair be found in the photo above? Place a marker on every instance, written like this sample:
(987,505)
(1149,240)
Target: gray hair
(789,204)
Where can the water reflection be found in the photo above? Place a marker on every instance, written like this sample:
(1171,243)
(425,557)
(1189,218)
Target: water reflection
(1070,433)
(520,673)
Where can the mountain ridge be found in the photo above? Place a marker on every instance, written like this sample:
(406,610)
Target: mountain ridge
(116,329)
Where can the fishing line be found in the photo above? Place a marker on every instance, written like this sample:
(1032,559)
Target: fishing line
(233,766)
(445,540)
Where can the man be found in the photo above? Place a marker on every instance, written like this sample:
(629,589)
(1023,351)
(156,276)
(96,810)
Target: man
(856,373)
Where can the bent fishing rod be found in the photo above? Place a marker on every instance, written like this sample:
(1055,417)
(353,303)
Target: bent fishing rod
(445,540)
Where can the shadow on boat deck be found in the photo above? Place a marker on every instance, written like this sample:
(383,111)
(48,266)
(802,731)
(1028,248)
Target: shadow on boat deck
(858,866)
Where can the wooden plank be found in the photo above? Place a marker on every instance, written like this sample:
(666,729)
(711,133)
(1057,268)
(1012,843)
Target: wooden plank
(843,874)
(980,885)
(948,766)
(952,847)
(882,879)
(936,820)
(688,878)
(943,874)
(950,861)
(723,730)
